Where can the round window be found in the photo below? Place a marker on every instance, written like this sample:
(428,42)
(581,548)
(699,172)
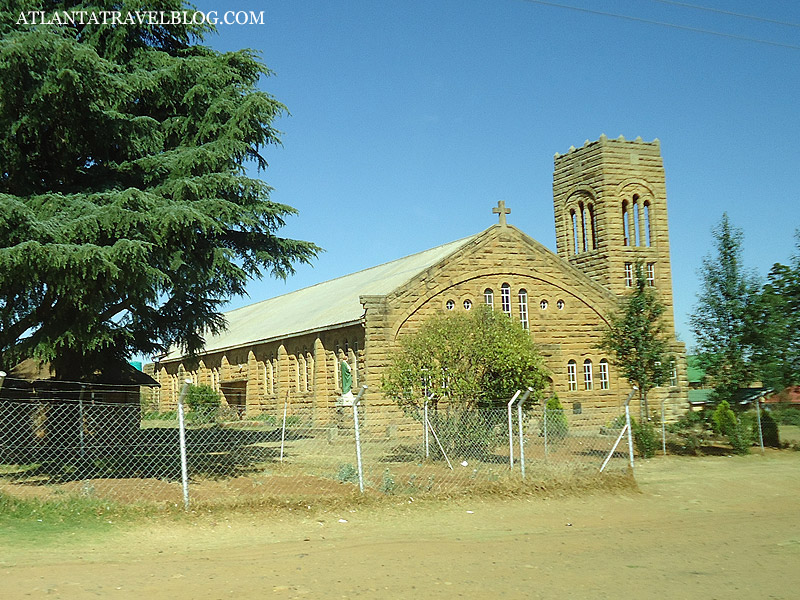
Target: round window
(560,305)
(450,305)
(543,304)
(467,304)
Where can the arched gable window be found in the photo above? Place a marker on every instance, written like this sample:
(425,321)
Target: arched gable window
(488,297)
(505,298)
(588,383)
(572,375)
(523,308)
(647,231)
(603,374)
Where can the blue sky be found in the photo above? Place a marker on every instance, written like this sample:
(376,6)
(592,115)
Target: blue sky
(411,119)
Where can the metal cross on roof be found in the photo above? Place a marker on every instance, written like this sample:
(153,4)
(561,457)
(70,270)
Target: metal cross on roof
(502,211)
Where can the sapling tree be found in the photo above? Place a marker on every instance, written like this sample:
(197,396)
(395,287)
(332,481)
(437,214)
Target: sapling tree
(636,341)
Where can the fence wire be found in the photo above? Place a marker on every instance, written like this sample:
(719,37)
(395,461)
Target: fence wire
(72,443)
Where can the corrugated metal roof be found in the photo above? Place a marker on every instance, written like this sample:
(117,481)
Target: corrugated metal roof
(333,302)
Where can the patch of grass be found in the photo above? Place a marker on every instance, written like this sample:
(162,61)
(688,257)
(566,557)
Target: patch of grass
(33,522)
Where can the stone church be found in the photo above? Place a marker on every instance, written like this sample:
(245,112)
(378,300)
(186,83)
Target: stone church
(610,212)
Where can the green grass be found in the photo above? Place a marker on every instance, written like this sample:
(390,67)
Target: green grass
(34,523)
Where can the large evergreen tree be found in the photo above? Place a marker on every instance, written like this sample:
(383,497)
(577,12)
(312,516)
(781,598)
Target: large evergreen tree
(636,341)
(126,214)
(723,318)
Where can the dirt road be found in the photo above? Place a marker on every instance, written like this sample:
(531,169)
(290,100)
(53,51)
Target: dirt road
(699,528)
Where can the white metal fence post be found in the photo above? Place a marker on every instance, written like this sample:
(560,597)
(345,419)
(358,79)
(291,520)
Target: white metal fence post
(358,438)
(182,442)
(425,434)
(511,430)
(628,423)
(521,437)
(760,433)
(626,428)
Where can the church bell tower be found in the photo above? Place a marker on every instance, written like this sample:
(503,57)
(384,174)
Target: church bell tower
(610,205)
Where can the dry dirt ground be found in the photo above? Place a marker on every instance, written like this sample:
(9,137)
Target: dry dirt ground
(715,527)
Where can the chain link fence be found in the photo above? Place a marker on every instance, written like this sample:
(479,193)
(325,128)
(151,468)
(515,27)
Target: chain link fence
(75,440)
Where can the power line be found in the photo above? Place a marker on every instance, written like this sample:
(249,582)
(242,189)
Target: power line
(729,13)
(664,24)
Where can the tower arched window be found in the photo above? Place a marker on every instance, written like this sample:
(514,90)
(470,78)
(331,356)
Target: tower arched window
(584,232)
(488,297)
(505,298)
(575,237)
(523,308)
(593,226)
(626,230)
(647,232)
(636,230)
(572,375)
(588,383)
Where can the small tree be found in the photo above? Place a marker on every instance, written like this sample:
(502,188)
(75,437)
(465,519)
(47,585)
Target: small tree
(636,341)
(722,321)
(203,402)
(774,325)
(468,359)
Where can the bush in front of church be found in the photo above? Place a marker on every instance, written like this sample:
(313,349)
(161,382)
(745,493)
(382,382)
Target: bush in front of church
(464,360)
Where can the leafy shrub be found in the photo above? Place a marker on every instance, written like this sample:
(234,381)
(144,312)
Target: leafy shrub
(388,484)
(645,438)
(204,403)
(347,473)
(786,414)
(554,419)
(740,437)
(724,419)
(769,430)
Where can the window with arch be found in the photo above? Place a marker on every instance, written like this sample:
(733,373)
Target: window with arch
(636,230)
(603,374)
(450,305)
(626,230)
(488,297)
(584,228)
(467,304)
(572,375)
(523,308)
(560,305)
(647,232)
(505,298)
(269,377)
(588,383)
(592,226)
(309,371)
(302,373)
(543,305)
(575,237)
